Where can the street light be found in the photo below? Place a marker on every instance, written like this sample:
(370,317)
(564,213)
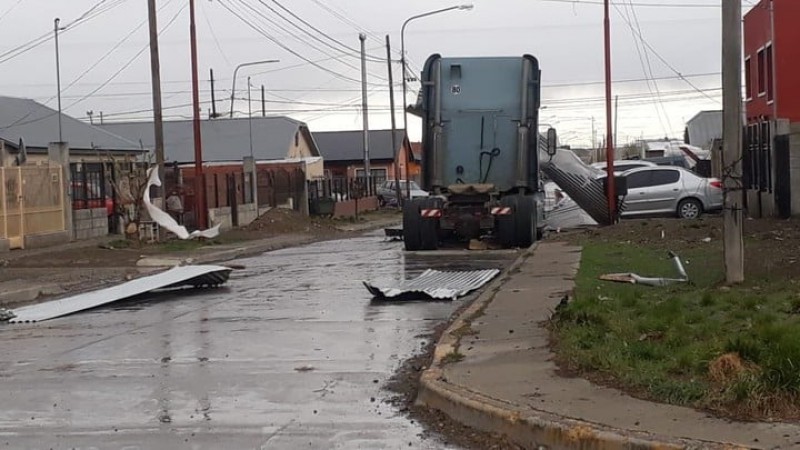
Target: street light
(465,7)
(236,70)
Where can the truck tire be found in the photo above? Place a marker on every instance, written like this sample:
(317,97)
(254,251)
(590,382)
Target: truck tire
(412,223)
(505,226)
(429,226)
(525,221)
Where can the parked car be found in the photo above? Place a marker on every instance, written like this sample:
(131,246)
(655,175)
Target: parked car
(624,165)
(665,190)
(387,191)
(90,196)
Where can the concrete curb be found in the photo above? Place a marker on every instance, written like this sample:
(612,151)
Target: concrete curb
(532,429)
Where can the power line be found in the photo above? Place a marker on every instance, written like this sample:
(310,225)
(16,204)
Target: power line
(281,27)
(647,5)
(102,85)
(661,58)
(3,16)
(647,69)
(283,46)
(214,35)
(93,12)
(354,51)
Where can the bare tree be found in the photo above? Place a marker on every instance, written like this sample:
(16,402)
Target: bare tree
(128,179)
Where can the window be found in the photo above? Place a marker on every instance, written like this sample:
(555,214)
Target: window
(663,177)
(748,80)
(638,179)
(379,175)
(762,86)
(769,74)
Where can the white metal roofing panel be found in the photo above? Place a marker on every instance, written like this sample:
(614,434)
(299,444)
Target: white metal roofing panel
(437,284)
(177,276)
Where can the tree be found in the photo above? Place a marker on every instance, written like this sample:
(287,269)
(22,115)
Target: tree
(128,179)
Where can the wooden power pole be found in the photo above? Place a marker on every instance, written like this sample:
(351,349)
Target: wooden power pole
(158,125)
(199,177)
(732,140)
(611,188)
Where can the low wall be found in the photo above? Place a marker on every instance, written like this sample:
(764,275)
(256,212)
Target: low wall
(90,223)
(46,239)
(246,213)
(4,245)
(347,208)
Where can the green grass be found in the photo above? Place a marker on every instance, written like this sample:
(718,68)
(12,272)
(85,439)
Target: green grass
(662,343)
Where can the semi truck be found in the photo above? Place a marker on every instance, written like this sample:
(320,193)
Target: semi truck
(480,153)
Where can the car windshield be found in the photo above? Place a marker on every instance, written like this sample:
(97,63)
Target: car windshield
(413,185)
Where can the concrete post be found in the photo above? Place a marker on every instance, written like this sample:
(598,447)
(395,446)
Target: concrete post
(5,157)
(58,153)
(249,164)
(794,166)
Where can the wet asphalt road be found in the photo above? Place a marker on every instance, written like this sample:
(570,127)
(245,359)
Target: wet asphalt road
(292,354)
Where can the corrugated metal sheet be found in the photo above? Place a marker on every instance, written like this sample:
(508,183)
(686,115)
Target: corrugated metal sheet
(437,284)
(196,276)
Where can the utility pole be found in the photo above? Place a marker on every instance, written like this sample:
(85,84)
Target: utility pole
(616,119)
(365,113)
(213,97)
(610,185)
(263,102)
(101,117)
(732,140)
(398,194)
(250,116)
(56,29)
(199,178)
(158,125)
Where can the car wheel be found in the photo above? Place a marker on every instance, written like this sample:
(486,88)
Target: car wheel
(690,209)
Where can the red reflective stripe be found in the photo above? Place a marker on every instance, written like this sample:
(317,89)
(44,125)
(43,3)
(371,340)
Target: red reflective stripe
(501,211)
(431,213)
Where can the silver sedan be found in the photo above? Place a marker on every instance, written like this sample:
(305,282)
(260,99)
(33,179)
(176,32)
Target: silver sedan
(665,190)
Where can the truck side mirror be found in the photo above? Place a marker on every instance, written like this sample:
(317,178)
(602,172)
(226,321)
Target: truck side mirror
(552,141)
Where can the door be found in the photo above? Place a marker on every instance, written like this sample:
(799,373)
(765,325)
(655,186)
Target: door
(652,191)
(663,191)
(783,187)
(636,200)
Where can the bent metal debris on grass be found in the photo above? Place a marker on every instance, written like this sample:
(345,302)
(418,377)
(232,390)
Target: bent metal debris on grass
(633,278)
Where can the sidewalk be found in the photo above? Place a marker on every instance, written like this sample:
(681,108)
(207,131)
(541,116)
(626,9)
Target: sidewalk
(19,286)
(508,383)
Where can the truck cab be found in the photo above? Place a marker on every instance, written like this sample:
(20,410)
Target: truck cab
(480,161)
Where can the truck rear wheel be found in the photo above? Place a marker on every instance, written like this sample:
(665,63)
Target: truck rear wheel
(429,226)
(412,223)
(519,228)
(505,226)
(525,221)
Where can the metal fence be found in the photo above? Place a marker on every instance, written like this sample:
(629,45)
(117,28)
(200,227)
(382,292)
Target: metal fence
(757,156)
(279,187)
(341,189)
(31,202)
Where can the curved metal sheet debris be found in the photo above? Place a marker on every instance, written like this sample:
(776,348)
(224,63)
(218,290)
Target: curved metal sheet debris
(436,284)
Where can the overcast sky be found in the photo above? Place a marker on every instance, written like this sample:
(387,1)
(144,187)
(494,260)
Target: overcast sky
(100,69)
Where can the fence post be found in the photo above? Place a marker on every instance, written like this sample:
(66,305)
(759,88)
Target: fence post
(58,153)
(4,200)
(21,207)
